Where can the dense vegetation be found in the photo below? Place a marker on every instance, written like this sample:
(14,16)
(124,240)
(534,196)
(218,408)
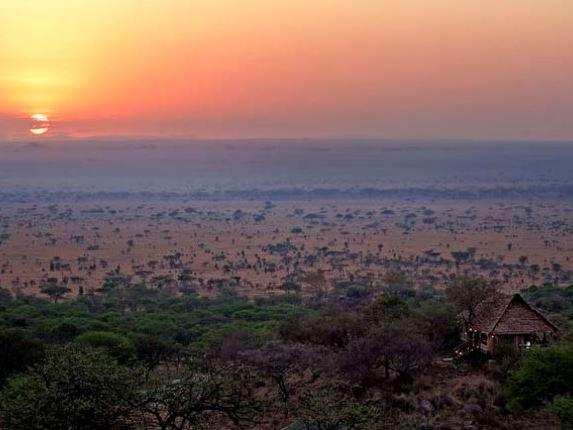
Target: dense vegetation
(362,357)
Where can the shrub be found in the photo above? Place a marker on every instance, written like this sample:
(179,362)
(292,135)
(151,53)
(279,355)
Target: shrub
(5,297)
(330,409)
(17,351)
(562,406)
(541,375)
(75,388)
(116,345)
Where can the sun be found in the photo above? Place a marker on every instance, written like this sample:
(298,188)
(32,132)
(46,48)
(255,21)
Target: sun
(41,124)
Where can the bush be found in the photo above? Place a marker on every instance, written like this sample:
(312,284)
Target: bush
(5,297)
(116,345)
(550,297)
(17,351)
(151,350)
(76,388)
(330,409)
(437,322)
(562,406)
(541,375)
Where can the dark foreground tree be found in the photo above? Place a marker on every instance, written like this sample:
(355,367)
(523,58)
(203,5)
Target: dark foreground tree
(75,388)
(392,350)
(198,396)
(467,292)
(17,351)
(280,361)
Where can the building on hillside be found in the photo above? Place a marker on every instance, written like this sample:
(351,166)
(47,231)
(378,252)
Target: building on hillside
(506,322)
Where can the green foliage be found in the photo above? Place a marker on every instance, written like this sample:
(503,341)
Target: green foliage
(550,298)
(75,388)
(387,309)
(116,345)
(160,324)
(437,321)
(55,292)
(20,314)
(332,329)
(542,374)
(67,328)
(565,323)
(151,350)
(376,343)
(562,406)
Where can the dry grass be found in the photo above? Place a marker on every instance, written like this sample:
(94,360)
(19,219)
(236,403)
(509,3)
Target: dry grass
(131,235)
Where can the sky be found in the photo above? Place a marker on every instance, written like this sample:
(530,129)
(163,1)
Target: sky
(407,69)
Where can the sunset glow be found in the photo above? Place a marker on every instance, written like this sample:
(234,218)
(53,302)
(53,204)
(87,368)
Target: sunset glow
(284,68)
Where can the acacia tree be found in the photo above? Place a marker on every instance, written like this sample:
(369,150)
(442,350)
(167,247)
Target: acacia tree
(404,351)
(55,292)
(280,361)
(392,350)
(196,396)
(467,292)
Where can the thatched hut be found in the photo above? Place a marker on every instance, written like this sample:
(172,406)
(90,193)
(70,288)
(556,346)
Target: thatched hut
(506,321)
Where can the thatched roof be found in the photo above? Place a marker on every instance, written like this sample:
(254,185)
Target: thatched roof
(510,314)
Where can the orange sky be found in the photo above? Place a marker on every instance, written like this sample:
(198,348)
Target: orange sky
(288,68)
